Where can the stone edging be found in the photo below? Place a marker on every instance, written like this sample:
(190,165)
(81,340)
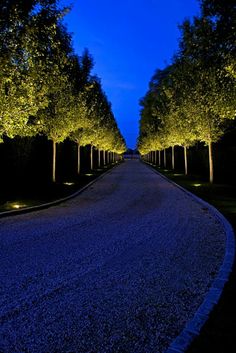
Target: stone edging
(56,202)
(193,327)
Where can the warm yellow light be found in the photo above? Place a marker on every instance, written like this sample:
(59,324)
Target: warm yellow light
(17,205)
(88,174)
(196,185)
(68,183)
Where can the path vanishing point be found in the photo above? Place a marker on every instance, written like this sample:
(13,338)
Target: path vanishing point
(122,267)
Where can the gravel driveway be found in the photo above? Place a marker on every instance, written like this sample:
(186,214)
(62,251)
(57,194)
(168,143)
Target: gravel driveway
(119,268)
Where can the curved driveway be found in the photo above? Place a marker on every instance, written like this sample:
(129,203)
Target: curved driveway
(119,268)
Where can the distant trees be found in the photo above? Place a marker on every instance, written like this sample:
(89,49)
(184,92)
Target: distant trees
(45,88)
(194,98)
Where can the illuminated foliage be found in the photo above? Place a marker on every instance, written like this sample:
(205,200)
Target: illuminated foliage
(22,91)
(101,131)
(194,98)
(44,87)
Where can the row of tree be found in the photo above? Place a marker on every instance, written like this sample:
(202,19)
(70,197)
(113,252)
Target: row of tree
(45,88)
(194,98)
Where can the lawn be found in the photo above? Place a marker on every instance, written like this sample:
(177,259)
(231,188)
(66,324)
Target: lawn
(19,196)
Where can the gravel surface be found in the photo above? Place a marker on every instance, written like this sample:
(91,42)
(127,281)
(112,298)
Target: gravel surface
(120,268)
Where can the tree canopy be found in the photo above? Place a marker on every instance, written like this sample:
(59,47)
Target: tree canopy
(194,98)
(45,88)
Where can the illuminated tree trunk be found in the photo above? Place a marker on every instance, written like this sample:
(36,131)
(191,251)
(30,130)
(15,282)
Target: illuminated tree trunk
(164,158)
(104,157)
(54,156)
(159,158)
(173,157)
(155,157)
(78,158)
(91,157)
(185,161)
(99,158)
(211,167)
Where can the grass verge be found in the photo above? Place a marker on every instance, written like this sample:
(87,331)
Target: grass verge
(218,334)
(13,197)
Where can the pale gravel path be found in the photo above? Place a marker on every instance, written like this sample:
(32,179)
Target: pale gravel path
(120,268)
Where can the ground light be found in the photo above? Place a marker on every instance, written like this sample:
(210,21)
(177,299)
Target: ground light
(15,205)
(68,183)
(89,174)
(196,185)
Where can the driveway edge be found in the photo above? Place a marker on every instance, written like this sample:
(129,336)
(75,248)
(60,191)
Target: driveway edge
(55,202)
(193,327)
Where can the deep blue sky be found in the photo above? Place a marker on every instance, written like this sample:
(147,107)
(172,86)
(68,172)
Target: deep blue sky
(128,40)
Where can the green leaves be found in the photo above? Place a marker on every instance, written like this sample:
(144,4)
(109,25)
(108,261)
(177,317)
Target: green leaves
(44,87)
(193,98)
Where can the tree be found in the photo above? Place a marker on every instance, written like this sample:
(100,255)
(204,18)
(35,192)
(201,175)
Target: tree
(213,92)
(22,89)
(57,120)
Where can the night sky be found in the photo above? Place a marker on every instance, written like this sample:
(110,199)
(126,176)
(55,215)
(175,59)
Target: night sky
(129,40)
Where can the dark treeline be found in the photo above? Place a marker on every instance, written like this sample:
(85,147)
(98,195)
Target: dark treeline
(52,109)
(191,103)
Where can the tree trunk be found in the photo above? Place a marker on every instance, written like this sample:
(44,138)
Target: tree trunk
(104,157)
(173,157)
(164,158)
(156,157)
(159,158)
(91,157)
(78,158)
(99,158)
(211,167)
(185,161)
(54,156)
